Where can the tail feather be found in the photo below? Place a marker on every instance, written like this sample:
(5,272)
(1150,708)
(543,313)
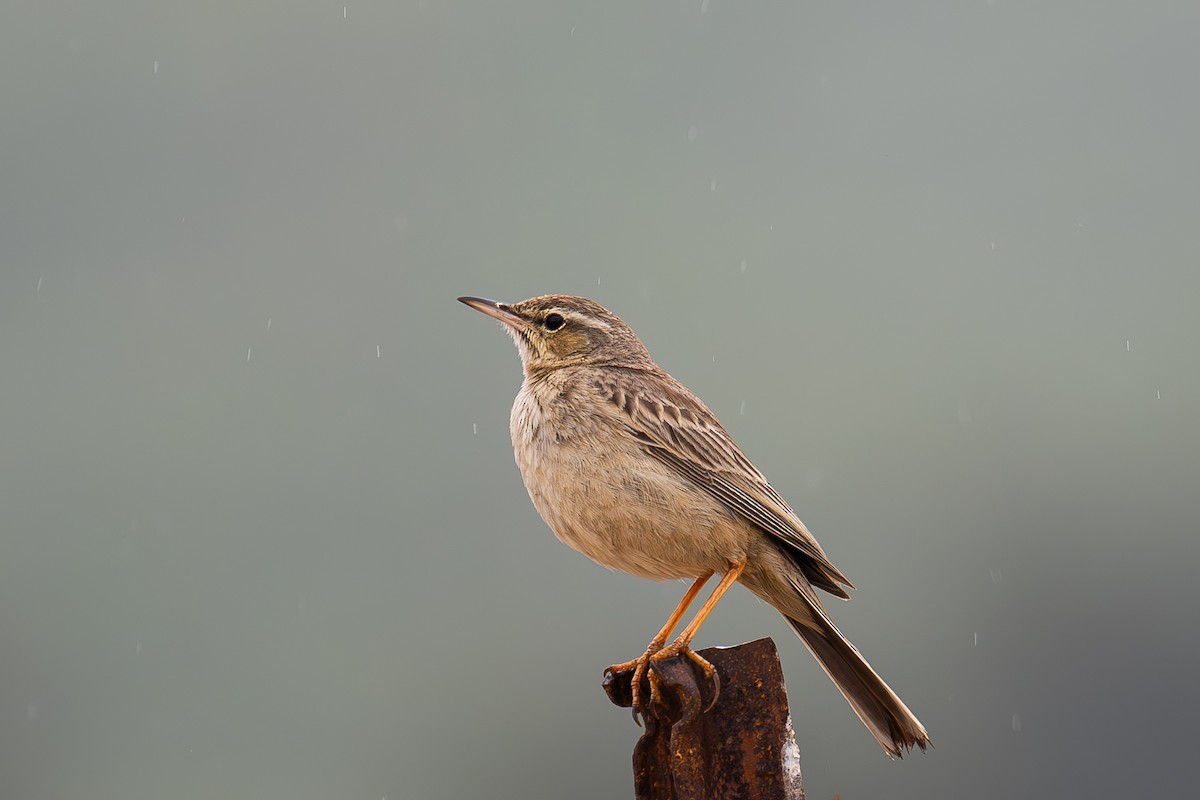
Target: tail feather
(881,710)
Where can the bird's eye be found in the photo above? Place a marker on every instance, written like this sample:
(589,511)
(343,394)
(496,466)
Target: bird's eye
(553,322)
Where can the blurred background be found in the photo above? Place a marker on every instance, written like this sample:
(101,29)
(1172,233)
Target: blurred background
(935,265)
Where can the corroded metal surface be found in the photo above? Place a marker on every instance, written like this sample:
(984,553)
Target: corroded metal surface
(743,747)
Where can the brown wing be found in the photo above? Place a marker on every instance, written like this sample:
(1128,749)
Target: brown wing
(675,427)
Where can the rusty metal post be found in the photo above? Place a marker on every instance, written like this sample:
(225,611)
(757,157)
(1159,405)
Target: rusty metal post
(742,747)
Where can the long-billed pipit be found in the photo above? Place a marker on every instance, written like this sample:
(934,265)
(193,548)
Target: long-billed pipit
(629,468)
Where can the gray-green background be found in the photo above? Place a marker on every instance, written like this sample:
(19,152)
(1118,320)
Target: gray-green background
(934,264)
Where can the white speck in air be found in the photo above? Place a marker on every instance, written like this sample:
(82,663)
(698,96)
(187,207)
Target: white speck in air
(996,576)
(742,409)
(268,323)
(155,67)
(343,12)
(474,428)
(703,7)
(771,227)
(1016,723)
(977,639)
(572,31)
(377,352)
(712,185)
(714,358)
(138,649)
(993,245)
(597,280)
(692,133)
(249,350)
(1158,395)
(743,266)
(39,288)
(1126,345)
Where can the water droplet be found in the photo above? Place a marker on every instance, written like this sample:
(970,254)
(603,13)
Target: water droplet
(1016,723)
(712,185)
(743,266)
(155,67)
(377,351)
(249,350)
(474,428)
(692,133)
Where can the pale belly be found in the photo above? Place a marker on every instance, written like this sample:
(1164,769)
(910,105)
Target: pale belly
(627,512)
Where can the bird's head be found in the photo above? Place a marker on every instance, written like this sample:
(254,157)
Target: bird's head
(556,330)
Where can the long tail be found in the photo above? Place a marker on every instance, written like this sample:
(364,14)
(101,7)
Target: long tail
(885,715)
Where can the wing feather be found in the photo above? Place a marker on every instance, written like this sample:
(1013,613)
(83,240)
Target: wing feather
(675,427)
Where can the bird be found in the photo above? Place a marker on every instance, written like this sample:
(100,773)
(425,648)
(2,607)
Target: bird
(630,468)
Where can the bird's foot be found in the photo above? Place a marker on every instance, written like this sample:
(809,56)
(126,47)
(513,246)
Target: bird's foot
(641,670)
(639,666)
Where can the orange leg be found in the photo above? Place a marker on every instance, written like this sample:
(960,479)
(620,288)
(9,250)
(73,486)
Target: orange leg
(682,644)
(640,663)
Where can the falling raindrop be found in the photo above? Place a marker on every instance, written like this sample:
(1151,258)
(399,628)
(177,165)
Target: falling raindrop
(742,410)
(474,428)
(743,266)
(692,133)
(1016,723)
(249,350)
(155,67)
(377,351)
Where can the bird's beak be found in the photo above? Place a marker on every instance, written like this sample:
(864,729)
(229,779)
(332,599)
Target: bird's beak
(500,311)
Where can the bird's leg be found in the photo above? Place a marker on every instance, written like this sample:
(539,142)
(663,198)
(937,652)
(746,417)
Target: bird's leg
(682,643)
(639,664)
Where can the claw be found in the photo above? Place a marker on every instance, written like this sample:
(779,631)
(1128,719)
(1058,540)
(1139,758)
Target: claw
(710,673)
